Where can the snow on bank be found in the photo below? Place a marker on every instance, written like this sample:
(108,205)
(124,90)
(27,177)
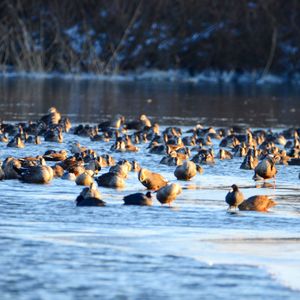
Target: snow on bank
(207,76)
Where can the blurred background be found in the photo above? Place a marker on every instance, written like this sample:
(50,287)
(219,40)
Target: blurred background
(200,44)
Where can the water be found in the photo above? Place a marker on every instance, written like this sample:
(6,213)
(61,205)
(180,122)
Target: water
(51,249)
(92,101)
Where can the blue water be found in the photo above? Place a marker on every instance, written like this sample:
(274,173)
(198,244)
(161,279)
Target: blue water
(51,249)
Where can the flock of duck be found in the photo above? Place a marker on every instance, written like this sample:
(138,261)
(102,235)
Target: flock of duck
(262,151)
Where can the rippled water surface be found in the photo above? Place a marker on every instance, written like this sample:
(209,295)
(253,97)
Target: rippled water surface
(51,249)
(170,102)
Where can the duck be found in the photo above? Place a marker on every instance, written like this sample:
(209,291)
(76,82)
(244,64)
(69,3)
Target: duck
(54,135)
(249,163)
(171,161)
(138,199)
(52,118)
(234,198)
(224,154)
(257,203)
(85,178)
(110,180)
(90,196)
(139,124)
(41,174)
(58,171)
(116,123)
(186,171)
(8,167)
(16,143)
(135,166)
(151,180)
(168,193)
(34,140)
(265,169)
(121,170)
(51,155)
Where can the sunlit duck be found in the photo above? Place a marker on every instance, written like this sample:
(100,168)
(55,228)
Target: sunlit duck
(129,146)
(204,156)
(16,143)
(119,146)
(229,141)
(8,167)
(224,154)
(111,180)
(85,178)
(58,171)
(116,123)
(106,160)
(120,170)
(250,141)
(36,174)
(66,124)
(168,193)
(257,203)
(139,124)
(266,169)
(90,197)
(157,148)
(52,118)
(135,166)
(235,197)
(72,162)
(138,199)
(240,150)
(51,155)
(186,171)
(152,181)
(249,163)
(281,140)
(183,153)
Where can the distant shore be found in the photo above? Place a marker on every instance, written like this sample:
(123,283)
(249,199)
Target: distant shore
(206,76)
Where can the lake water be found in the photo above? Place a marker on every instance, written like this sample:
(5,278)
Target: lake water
(51,249)
(167,102)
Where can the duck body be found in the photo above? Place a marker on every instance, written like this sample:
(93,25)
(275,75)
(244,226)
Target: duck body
(168,193)
(36,174)
(265,169)
(257,203)
(84,179)
(110,180)
(152,181)
(186,171)
(90,196)
(138,199)
(89,201)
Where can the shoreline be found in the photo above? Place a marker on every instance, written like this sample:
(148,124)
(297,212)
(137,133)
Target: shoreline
(205,77)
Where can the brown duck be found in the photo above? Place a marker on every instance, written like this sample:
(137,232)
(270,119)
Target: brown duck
(152,181)
(168,193)
(257,203)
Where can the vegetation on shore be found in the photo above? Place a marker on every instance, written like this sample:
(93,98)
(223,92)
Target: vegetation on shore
(105,37)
